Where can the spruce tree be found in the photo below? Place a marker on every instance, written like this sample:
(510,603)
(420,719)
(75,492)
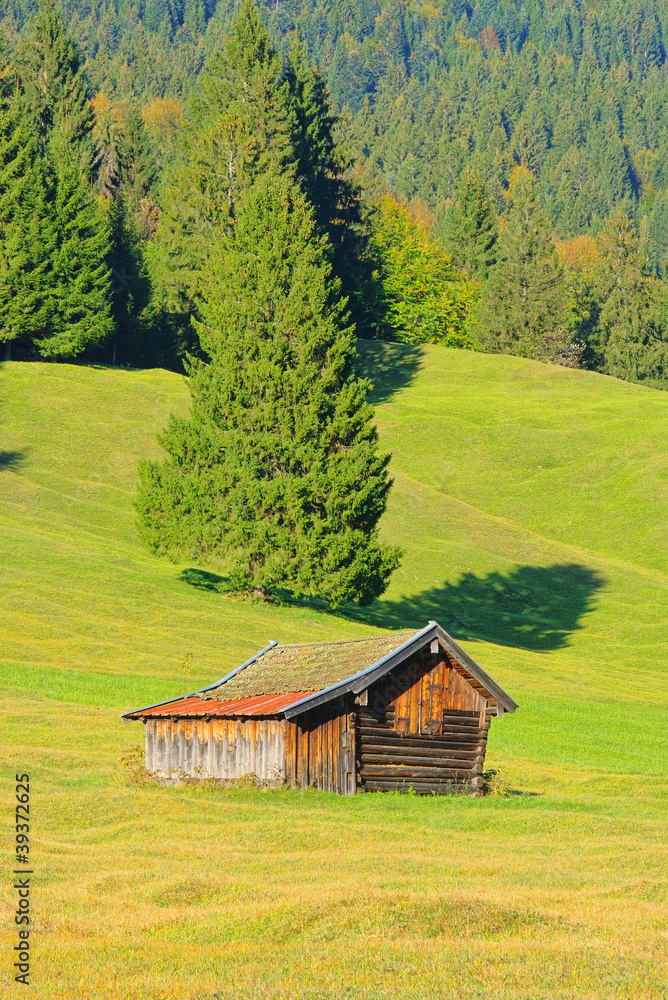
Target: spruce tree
(25,225)
(195,17)
(276,475)
(154,13)
(524,303)
(75,286)
(53,81)
(470,228)
(131,214)
(631,339)
(108,130)
(133,340)
(78,280)
(323,170)
(240,126)
(139,170)
(321,164)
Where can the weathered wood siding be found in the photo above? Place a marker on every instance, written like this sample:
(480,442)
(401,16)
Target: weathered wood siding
(320,750)
(315,750)
(218,748)
(423,688)
(424,726)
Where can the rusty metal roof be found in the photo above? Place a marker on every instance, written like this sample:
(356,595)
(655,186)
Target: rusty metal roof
(297,669)
(196,707)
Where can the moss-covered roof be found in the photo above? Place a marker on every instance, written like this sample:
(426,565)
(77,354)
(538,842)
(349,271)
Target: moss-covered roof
(308,666)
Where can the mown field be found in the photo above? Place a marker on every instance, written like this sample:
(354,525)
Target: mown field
(531,505)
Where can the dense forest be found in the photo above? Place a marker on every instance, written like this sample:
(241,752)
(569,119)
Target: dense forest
(575,90)
(499,171)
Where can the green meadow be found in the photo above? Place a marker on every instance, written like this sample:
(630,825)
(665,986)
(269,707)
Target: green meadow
(530,502)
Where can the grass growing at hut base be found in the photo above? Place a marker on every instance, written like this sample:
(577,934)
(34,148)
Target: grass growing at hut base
(530,502)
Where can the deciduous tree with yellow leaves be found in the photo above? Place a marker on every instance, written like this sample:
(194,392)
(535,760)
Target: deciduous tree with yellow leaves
(417,295)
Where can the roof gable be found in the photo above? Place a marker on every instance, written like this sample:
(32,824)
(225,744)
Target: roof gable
(358,682)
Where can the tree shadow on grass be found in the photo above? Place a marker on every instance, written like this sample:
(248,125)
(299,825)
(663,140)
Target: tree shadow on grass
(388,366)
(11,459)
(533,607)
(203,580)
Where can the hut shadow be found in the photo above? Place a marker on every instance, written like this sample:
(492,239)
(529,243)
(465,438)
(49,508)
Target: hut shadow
(389,367)
(11,459)
(533,607)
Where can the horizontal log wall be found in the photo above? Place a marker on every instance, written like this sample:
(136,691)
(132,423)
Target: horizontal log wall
(227,749)
(388,760)
(424,726)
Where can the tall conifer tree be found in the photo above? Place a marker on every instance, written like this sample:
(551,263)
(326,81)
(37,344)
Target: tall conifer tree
(631,338)
(276,475)
(78,279)
(240,126)
(139,171)
(470,228)
(25,225)
(76,285)
(323,169)
(524,303)
(250,114)
(53,81)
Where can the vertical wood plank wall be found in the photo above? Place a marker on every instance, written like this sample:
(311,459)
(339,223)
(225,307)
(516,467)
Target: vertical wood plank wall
(316,750)
(217,748)
(319,750)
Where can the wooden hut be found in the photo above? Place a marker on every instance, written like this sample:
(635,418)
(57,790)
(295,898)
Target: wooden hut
(408,709)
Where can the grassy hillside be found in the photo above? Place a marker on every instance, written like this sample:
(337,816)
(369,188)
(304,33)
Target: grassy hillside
(84,595)
(530,502)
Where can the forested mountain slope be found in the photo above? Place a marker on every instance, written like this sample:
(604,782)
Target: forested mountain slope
(481,181)
(576,90)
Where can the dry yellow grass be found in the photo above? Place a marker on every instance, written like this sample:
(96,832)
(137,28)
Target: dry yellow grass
(187,893)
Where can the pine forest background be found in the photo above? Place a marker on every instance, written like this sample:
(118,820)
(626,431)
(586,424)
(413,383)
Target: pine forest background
(577,90)
(511,158)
